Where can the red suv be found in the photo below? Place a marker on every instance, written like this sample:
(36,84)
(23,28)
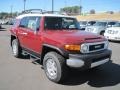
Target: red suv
(59,44)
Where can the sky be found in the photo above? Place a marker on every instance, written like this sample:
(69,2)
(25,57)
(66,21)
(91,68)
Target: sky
(98,5)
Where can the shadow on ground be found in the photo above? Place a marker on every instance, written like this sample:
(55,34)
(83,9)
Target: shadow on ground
(103,76)
(117,42)
(2,29)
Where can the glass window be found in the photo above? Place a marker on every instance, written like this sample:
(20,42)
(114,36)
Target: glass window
(100,24)
(34,23)
(117,25)
(24,22)
(59,23)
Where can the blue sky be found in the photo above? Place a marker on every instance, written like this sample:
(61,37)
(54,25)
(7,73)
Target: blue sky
(98,5)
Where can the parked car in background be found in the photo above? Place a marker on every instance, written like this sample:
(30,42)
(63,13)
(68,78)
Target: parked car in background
(99,27)
(10,22)
(111,23)
(83,24)
(113,33)
(90,23)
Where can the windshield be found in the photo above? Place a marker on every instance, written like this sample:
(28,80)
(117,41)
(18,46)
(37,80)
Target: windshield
(83,23)
(117,25)
(100,24)
(91,23)
(58,23)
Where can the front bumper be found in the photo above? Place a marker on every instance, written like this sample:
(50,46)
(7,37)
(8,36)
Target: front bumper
(113,37)
(89,60)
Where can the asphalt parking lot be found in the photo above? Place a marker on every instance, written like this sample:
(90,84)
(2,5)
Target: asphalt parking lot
(23,74)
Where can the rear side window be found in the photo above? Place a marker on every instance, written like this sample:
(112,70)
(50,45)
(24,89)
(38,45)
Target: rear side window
(33,23)
(24,22)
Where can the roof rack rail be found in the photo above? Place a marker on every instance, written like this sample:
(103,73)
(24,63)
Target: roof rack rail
(32,11)
(40,11)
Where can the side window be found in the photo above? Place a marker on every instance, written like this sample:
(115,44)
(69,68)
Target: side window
(33,23)
(24,22)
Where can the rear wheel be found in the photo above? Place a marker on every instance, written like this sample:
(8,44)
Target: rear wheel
(55,67)
(16,49)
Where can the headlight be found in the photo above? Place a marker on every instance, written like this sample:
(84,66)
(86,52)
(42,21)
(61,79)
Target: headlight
(72,47)
(84,48)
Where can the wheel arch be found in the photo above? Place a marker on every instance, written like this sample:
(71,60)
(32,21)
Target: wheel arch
(47,48)
(12,38)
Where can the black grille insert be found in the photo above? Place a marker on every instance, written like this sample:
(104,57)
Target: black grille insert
(96,47)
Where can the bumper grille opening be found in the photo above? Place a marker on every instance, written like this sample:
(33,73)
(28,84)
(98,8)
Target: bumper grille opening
(99,59)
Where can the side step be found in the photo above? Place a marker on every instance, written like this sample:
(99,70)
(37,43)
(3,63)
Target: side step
(33,58)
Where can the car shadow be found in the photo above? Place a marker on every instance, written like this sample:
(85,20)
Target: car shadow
(2,29)
(112,41)
(102,76)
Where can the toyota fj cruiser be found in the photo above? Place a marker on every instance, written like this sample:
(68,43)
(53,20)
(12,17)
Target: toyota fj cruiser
(58,42)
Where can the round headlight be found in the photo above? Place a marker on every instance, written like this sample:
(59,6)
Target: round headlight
(84,48)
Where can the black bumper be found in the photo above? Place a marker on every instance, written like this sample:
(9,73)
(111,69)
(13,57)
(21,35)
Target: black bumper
(92,57)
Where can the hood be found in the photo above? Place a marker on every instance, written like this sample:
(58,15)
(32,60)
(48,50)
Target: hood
(114,28)
(95,27)
(73,36)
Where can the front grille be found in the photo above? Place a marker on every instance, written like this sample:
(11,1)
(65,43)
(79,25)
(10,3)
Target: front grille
(96,47)
(112,32)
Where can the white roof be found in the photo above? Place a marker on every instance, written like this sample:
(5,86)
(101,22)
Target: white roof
(51,15)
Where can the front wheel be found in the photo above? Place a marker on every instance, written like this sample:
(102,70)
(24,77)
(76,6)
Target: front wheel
(16,49)
(55,67)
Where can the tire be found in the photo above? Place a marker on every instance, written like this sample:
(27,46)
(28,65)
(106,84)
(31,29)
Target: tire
(16,49)
(55,67)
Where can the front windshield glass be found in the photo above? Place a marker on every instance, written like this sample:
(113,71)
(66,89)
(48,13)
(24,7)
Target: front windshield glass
(117,25)
(100,24)
(91,23)
(83,22)
(59,23)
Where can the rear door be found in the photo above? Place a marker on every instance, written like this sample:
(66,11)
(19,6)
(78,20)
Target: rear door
(33,34)
(29,35)
(23,31)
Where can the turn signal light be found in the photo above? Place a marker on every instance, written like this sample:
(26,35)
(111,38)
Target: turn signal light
(72,47)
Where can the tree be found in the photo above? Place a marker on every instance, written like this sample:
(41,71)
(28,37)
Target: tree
(4,15)
(92,11)
(71,10)
(110,12)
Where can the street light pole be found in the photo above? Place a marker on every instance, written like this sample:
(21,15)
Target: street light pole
(24,4)
(80,7)
(52,6)
(11,10)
